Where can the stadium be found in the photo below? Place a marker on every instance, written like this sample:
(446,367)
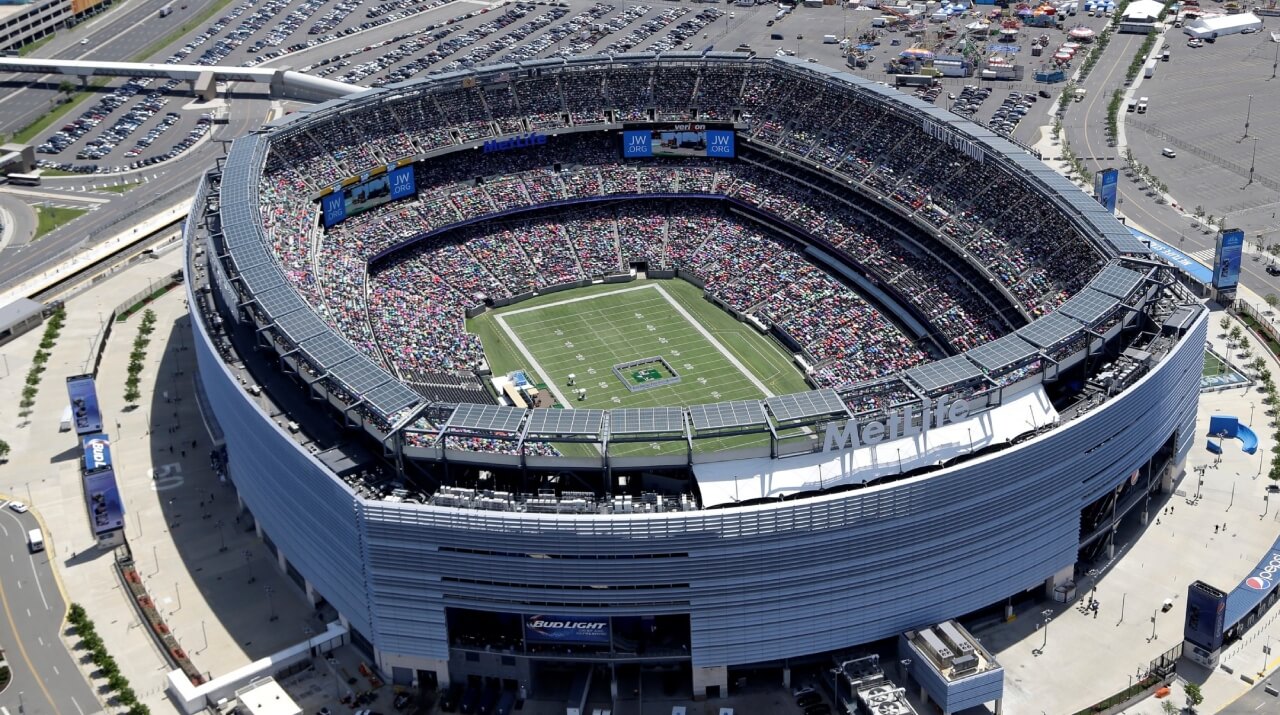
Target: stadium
(698,364)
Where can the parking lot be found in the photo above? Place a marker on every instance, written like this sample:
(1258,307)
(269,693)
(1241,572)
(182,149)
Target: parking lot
(136,123)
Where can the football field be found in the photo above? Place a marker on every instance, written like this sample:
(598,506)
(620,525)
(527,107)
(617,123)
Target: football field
(652,344)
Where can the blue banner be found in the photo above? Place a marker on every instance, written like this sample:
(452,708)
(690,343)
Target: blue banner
(85,412)
(97,451)
(1105,185)
(334,208)
(1178,259)
(566,629)
(355,199)
(1226,259)
(1206,616)
(106,509)
(720,144)
(637,144)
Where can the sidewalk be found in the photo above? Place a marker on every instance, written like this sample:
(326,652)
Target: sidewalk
(177,517)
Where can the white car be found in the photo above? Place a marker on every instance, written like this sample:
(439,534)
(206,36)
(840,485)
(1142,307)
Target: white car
(18,507)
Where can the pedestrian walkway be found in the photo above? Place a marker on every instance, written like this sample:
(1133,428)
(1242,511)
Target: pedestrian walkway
(205,568)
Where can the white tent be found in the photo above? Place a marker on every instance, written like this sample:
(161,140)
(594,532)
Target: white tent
(1221,25)
(1143,9)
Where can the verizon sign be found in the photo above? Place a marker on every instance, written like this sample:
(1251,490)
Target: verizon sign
(907,423)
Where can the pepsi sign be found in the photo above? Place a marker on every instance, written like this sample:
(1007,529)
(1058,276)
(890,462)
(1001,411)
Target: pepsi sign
(566,629)
(97,451)
(1265,578)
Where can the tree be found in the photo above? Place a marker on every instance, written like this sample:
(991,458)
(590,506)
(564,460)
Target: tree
(1236,334)
(1194,697)
(4,450)
(1168,707)
(1225,324)
(131,395)
(1272,299)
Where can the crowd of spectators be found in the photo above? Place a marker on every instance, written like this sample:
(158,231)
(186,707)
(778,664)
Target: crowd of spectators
(408,312)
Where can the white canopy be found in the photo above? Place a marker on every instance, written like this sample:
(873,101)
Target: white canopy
(1143,8)
(748,479)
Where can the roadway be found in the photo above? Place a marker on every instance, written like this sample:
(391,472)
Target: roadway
(116,35)
(166,184)
(1085,127)
(46,681)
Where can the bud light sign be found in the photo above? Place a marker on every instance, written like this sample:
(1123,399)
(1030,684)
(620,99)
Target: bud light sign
(566,629)
(97,452)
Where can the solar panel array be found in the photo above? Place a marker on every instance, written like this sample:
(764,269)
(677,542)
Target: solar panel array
(1116,281)
(487,418)
(566,422)
(646,420)
(945,373)
(1089,307)
(1001,353)
(1050,331)
(817,403)
(721,415)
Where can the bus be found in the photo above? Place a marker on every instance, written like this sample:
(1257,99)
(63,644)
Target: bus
(24,179)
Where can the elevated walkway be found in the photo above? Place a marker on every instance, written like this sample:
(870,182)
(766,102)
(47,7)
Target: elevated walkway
(284,83)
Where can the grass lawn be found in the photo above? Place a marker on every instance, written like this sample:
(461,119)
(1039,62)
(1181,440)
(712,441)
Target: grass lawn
(1213,365)
(120,188)
(588,331)
(49,217)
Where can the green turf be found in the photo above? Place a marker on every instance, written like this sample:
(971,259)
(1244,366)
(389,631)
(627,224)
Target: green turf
(48,218)
(1213,365)
(589,337)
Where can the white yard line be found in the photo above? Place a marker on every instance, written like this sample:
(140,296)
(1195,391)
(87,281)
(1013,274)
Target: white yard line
(711,339)
(580,298)
(551,383)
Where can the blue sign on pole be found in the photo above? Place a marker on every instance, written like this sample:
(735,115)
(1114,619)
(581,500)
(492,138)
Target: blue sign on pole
(1105,186)
(84,404)
(637,144)
(566,629)
(1226,259)
(106,509)
(97,451)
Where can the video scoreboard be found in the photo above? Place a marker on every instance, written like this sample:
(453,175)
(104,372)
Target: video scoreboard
(713,140)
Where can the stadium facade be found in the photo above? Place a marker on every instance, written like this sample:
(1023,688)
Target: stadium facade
(444,579)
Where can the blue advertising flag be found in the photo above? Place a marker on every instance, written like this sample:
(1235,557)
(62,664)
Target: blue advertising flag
(334,207)
(1226,259)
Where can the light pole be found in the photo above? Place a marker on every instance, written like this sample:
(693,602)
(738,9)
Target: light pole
(155,555)
(249,565)
(21,706)
(1248,112)
(1154,613)
(204,634)
(271,604)
(177,594)
(222,538)
(1275,62)
(1266,505)
(1253,161)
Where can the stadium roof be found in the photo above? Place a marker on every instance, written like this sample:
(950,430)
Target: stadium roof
(646,420)
(566,422)
(1116,281)
(1089,306)
(302,325)
(1050,331)
(1002,353)
(942,374)
(722,415)
(487,418)
(802,405)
